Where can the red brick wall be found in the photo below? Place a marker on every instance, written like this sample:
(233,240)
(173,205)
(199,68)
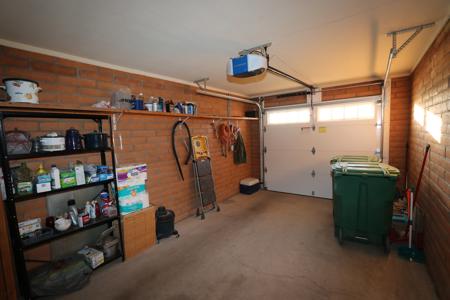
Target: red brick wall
(430,90)
(364,89)
(146,139)
(400,115)
(331,93)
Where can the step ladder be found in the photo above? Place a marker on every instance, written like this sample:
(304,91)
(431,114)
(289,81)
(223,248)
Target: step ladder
(203,177)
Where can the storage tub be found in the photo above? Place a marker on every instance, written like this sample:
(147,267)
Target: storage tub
(249,186)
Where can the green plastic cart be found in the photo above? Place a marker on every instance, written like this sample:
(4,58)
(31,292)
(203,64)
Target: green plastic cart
(363,193)
(355,158)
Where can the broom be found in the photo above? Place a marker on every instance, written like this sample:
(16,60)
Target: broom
(412,253)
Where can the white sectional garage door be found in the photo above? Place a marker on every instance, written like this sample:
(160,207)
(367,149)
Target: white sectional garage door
(299,142)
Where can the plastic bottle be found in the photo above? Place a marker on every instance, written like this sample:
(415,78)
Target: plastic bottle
(56,180)
(41,170)
(73,212)
(92,210)
(88,208)
(80,221)
(97,209)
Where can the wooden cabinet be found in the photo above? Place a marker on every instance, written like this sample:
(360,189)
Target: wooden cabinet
(139,231)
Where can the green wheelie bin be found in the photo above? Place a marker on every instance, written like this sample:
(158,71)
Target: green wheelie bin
(355,158)
(352,158)
(363,193)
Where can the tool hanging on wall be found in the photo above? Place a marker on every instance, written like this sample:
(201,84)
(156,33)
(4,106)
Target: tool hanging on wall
(227,137)
(181,124)
(204,181)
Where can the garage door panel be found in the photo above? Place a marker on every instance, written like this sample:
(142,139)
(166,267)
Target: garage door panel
(356,137)
(347,128)
(285,171)
(284,137)
(288,159)
(323,186)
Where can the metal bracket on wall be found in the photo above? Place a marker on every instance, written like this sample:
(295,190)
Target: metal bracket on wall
(201,80)
(416,29)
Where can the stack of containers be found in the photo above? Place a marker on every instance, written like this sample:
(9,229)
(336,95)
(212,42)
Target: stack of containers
(363,193)
(131,187)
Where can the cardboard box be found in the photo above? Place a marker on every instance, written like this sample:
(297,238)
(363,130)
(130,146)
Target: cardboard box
(29,226)
(139,231)
(92,256)
(131,187)
(43,187)
(79,174)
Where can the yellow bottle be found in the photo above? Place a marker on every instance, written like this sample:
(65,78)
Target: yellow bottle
(41,170)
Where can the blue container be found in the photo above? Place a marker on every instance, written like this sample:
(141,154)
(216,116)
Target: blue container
(137,104)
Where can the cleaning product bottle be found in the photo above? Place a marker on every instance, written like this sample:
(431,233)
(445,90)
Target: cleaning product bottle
(56,180)
(88,208)
(92,210)
(73,212)
(97,209)
(43,180)
(41,170)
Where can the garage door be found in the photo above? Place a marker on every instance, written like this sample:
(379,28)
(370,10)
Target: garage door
(300,141)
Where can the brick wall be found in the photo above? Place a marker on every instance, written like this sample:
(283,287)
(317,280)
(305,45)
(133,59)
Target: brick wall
(431,92)
(145,139)
(400,115)
(362,89)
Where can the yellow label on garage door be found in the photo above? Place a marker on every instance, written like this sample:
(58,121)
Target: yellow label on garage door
(322,129)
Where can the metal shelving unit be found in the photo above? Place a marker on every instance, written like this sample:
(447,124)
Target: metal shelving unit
(21,245)
(52,154)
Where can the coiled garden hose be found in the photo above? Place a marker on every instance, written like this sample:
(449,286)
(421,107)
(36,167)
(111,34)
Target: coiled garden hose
(175,126)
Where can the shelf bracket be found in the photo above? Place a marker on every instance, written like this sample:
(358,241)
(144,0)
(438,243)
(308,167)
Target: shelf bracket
(201,80)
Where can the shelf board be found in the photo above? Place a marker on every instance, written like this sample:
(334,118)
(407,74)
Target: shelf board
(19,198)
(54,153)
(80,111)
(72,230)
(175,115)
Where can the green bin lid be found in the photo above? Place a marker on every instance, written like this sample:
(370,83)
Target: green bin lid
(365,168)
(355,158)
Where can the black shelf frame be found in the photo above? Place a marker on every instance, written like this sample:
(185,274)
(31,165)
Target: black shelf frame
(19,245)
(60,234)
(20,198)
(11,157)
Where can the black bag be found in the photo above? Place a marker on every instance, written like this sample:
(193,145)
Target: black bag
(165,223)
(60,277)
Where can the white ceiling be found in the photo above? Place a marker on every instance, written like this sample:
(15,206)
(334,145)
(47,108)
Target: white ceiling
(321,42)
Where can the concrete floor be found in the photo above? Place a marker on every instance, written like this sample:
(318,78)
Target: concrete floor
(265,246)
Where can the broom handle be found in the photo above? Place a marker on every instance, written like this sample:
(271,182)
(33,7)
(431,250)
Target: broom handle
(419,180)
(410,219)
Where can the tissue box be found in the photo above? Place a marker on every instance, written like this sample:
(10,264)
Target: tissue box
(132,174)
